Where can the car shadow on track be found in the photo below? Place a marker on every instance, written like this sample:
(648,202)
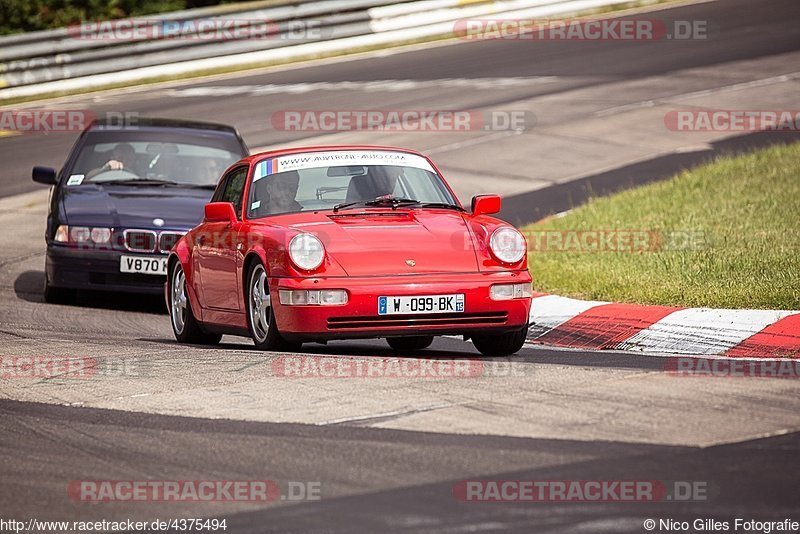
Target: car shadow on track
(452,348)
(29,285)
(369,347)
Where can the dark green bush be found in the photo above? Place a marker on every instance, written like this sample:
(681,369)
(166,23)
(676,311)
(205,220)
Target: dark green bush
(28,15)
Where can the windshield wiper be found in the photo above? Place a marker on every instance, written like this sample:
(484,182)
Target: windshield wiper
(135,181)
(394,202)
(155,181)
(444,205)
(192,186)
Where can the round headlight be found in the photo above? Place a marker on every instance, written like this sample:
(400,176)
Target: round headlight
(79,234)
(508,245)
(306,251)
(101,235)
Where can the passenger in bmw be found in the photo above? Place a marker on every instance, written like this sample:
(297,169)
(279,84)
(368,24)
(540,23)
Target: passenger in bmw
(209,171)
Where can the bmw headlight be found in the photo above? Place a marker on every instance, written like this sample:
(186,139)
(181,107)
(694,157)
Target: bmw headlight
(306,251)
(508,245)
(84,236)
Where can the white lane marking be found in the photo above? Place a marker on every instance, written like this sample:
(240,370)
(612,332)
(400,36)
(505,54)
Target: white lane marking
(133,396)
(471,142)
(703,92)
(702,330)
(489,84)
(551,311)
(753,437)
(393,414)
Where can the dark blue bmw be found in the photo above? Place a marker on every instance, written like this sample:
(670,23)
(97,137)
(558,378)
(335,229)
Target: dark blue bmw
(125,195)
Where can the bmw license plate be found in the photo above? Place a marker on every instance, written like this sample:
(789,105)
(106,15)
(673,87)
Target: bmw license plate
(421,304)
(143,264)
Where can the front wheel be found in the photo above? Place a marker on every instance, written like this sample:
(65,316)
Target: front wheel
(500,344)
(260,317)
(409,343)
(184,325)
(58,295)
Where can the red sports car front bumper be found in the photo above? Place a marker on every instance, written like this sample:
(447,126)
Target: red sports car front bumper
(359,317)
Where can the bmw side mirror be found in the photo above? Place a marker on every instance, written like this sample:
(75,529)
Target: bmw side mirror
(485,204)
(220,212)
(44,175)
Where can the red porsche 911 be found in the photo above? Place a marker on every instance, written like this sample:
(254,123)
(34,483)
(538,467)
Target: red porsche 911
(322,243)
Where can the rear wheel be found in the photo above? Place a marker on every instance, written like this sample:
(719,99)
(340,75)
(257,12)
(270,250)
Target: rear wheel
(260,317)
(184,324)
(500,344)
(409,343)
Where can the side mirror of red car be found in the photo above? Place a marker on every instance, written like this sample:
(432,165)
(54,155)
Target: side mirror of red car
(485,204)
(220,212)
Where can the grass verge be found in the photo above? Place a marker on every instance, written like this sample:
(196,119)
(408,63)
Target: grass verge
(724,235)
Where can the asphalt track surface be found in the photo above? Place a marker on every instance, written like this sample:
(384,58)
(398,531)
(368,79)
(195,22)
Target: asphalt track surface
(388,452)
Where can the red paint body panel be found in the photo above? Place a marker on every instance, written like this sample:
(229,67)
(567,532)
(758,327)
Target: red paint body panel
(379,241)
(363,293)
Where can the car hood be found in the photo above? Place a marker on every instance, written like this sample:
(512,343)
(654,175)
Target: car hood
(386,242)
(134,206)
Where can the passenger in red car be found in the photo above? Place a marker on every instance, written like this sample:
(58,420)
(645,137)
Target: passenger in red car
(281,193)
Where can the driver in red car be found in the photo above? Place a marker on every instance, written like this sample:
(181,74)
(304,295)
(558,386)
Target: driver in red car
(123,157)
(380,181)
(282,193)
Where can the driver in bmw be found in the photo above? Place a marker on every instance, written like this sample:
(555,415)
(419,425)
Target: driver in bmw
(123,157)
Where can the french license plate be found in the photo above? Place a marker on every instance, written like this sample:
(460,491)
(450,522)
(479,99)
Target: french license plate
(421,304)
(143,264)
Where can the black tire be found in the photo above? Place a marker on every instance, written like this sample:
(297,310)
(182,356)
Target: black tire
(409,343)
(265,337)
(58,295)
(184,324)
(500,344)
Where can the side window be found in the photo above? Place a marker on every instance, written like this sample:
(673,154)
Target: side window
(232,189)
(219,190)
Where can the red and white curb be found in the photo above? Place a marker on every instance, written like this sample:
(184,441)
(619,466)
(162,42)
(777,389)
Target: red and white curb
(597,325)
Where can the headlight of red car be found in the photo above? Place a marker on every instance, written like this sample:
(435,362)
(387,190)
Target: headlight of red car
(507,245)
(306,251)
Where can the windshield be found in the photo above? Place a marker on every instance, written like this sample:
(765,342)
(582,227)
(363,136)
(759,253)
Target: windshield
(166,159)
(328,180)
